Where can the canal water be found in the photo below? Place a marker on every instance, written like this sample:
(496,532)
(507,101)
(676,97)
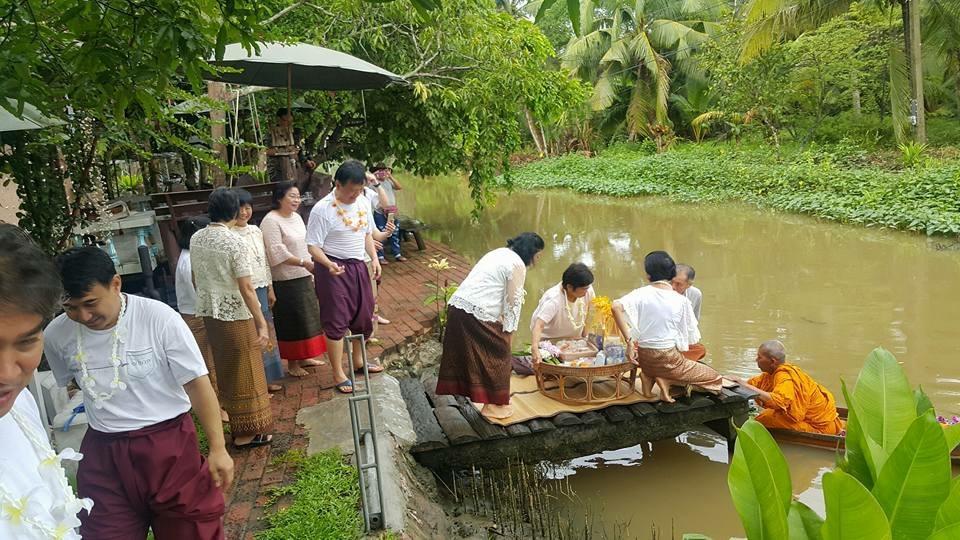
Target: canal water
(830,292)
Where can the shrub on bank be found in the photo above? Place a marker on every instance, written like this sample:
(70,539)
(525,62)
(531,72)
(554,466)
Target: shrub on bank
(820,183)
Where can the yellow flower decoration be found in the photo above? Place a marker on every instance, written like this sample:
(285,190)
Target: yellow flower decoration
(603,322)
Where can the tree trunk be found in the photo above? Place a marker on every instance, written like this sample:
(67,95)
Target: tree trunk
(532,126)
(855,94)
(218,130)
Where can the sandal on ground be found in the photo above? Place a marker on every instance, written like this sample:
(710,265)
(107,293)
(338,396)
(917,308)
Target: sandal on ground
(381,320)
(272,388)
(371,368)
(374,341)
(258,440)
(400,258)
(346,387)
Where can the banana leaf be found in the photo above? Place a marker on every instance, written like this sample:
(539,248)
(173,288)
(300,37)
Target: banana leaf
(852,512)
(949,513)
(915,480)
(883,390)
(759,482)
(804,523)
(858,460)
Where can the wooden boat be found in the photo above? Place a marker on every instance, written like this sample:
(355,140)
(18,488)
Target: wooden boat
(827,442)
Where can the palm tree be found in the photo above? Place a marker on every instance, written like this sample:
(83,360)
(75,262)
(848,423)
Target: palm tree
(628,49)
(774,21)
(942,31)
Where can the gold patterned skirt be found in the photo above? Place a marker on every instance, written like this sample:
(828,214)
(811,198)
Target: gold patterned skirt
(240,376)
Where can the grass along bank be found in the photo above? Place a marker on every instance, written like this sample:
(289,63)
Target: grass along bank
(324,502)
(838,182)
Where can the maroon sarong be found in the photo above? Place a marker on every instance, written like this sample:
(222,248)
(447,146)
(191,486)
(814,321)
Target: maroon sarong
(153,478)
(346,301)
(476,359)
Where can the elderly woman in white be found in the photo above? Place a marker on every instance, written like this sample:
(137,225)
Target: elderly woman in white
(481,318)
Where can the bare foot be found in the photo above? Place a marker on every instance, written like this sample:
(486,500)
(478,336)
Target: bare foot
(646,386)
(297,371)
(274,388)
(381,320)
(664,386)
(496,411)
(224,417)
(311,362)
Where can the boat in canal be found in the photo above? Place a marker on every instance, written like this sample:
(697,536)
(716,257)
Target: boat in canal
(827,442)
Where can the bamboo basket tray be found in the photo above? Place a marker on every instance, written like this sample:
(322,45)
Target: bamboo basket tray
(585,385)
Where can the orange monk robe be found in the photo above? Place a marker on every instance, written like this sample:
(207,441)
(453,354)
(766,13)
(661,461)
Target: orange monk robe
(798,402)
(696,352)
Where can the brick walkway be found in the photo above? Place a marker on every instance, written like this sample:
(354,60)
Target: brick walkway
(401,298)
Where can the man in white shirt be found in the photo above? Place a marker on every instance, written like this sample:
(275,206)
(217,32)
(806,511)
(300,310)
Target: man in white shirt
(683,284)
(339,239)
(140,372)
(34,493)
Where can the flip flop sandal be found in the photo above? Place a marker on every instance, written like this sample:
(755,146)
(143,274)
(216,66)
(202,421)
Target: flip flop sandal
(346,387)
(258,440)
(371,368)
(401,258)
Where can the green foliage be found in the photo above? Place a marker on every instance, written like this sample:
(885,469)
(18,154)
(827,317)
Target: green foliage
(894,481)
(441,293)
(472,69)
(325,501)
(113,57)
(828,183)
(913,154)
(130,183)
(759,481)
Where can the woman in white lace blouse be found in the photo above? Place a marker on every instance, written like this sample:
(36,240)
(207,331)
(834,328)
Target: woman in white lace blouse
(481,318)
(236,329)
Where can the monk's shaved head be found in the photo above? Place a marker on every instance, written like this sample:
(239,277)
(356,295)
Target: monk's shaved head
(774,349)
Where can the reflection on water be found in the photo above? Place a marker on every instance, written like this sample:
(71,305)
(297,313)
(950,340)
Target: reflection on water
(830,292)
(679,484)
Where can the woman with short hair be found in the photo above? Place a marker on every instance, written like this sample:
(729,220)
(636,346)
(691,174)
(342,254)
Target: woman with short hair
(563,309)
(660,325)
(481,318)
(296,313)
(236,329)
(262,282)
(187,296)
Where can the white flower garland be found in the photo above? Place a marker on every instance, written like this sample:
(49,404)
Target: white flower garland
(18,511)
(99,398)
(583,313)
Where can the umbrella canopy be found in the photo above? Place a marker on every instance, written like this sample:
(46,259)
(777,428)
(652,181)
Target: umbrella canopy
(32,118)
(301,66)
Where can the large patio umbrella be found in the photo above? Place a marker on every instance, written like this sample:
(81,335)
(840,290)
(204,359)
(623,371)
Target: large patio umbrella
(31,118)
(301,66)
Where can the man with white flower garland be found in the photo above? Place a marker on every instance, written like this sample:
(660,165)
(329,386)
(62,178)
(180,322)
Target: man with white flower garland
(36,502)
(140,371)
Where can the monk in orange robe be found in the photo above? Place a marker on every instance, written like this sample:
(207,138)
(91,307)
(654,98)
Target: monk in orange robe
(791,399)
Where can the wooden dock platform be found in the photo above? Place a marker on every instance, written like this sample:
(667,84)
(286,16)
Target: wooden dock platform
(451,434)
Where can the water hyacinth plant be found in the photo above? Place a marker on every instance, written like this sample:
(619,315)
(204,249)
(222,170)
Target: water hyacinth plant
(893,480)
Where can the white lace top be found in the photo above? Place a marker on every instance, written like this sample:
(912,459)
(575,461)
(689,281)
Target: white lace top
(219,257)
(253,237)
(493,290)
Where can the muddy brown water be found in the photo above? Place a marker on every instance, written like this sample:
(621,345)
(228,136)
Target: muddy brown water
(830,292)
